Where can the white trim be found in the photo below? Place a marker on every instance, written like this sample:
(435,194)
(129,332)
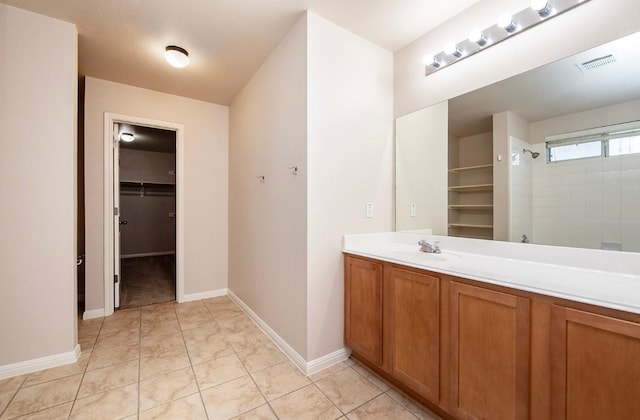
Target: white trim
(147,254)
(109,120)
(203,295)
(40,363)
(298,360)
(308,368)
(94,313)
(316,365)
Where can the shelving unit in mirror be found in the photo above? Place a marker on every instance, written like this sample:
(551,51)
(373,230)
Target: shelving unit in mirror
(470,206)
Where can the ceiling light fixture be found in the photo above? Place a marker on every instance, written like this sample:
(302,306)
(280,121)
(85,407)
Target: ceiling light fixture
(176,56)
(508,25)
(127,137)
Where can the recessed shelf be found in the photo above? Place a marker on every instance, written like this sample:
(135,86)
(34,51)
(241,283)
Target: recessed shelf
(471,207)
(469,225)
(472,188)
(470,168)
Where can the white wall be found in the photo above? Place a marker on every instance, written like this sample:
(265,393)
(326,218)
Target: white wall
(350,152)
(421,151)
(205,180)
(268,220)
(520,191)
(38,111)
(560,37)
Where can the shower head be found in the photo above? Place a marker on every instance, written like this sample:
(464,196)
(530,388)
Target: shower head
(533,154)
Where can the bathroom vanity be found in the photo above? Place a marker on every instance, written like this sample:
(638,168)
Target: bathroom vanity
(491,330)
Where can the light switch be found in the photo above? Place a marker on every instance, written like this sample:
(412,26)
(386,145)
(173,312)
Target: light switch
(369,212)
(413,210)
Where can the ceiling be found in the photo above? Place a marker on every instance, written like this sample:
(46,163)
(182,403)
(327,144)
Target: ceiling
(227,40)
(149,139)
(557,89)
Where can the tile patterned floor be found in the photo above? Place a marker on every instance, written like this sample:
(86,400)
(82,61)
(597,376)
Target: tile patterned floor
(197,360)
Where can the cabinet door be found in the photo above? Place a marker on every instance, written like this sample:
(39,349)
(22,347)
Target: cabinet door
(490,345)
(363,308)
(595,366)
(415,321)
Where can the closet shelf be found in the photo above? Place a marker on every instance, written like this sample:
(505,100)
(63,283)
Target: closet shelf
(471,206)
(129,183)
(472,188)
(470,168)
(469,225)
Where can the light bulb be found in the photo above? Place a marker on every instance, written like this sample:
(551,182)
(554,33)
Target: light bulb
(506,22)
(127,137)
(176,56)
(452,49)
(541,7)
(430,60)
(478,37)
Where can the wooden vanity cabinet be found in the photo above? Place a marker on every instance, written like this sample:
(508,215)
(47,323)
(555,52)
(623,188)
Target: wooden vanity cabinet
(595,366)
(363,307)
(414,332)
(489,353)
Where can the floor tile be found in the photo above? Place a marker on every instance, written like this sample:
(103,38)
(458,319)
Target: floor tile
(247,340)
(59,371)
(232,398)
(371,377)
(191,309)
(306,403)
(161,344)
(5,397)
(123,314)
(202,352)
(58,412)
(185,408)
(217,371)
(347,389)
(159,365)
(261,357)
(114,404)
(87,343)
(381,408)
(149,329)
(264,412)
(11,384)
(41,396)
(110,377)
(414,408)
(328,371)
(118,338)
(166,388)
(191,322)
(208,333)
(279,380)
(107,356)
(119,325)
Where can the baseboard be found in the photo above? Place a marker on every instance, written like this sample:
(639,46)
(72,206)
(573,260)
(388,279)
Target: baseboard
(328,360)
(40,363)
(204,295)
(147,254)
(94,313)
(308,368)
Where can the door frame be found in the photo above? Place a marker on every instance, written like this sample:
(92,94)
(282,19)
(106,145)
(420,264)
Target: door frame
(109,120)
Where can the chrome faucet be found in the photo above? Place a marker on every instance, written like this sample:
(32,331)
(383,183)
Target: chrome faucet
(428,248)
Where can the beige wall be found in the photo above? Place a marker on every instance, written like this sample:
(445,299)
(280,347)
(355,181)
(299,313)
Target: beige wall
(560,37)
(421,159)
(205,180)
(38,104)
(350,152)
(267,220)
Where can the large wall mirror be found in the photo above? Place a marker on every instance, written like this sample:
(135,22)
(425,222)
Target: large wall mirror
(550,156)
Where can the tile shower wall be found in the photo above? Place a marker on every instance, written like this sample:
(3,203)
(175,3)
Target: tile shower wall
(590,203)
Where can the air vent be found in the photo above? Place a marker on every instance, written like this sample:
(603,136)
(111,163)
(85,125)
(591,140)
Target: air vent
(596,63)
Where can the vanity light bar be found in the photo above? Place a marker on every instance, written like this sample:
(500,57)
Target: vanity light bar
(506,27)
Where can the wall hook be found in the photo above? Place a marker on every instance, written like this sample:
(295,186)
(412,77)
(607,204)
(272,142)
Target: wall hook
(261,178)
(294,170)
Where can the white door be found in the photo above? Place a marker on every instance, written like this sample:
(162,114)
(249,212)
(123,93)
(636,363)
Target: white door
(116,216)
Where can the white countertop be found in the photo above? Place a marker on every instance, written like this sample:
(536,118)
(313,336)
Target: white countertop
(603,278)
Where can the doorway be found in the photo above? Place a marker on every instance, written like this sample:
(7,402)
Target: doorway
(143,223)
(147,203)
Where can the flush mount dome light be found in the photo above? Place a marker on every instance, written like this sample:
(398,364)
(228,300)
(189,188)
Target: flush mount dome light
(176,56)
(127,137)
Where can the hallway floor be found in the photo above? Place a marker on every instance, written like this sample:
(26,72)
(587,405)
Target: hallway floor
(197,360)
(147,280)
